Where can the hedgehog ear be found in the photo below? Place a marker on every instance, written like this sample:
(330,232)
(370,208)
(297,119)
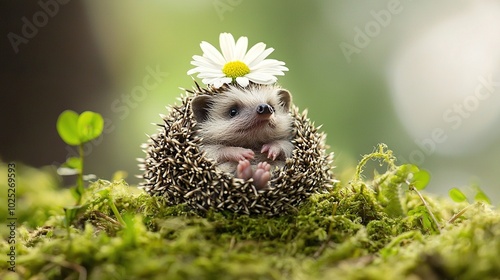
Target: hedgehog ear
(199,106)
(285,98)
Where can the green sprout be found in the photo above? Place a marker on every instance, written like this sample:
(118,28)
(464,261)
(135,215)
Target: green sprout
(76,130)
(388,187)
(458,196)
(479,195)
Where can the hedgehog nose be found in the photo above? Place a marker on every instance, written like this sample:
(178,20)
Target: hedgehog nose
(265,109)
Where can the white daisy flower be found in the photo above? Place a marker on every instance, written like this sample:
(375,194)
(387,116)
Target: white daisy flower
(235,64)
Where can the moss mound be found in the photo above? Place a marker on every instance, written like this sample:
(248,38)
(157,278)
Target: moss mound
(359,230)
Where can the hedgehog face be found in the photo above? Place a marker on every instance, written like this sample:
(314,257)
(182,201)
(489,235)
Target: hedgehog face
(246,117)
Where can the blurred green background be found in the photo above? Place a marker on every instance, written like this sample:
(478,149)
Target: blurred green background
(420,76)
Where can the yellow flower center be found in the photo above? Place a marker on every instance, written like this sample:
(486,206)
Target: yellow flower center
(235,69)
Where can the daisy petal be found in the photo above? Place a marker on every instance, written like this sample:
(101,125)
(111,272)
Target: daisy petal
(279,70)
(212,63)
(253,53)
(213,81)
(226,80)
(242,81)
(261,78)
(218,84)
(240,48)
(204,63)
(206,81)
(227,46)
(207,75)
(261,57)
(212,53)
(268,63)
(201,69)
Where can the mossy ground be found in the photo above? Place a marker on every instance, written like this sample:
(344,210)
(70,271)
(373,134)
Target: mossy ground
(347,233)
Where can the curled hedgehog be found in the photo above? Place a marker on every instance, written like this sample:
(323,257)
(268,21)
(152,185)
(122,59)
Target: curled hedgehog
(238,144)
(178,168)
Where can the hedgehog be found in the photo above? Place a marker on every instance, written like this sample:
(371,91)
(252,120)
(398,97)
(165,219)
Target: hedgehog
(178,165)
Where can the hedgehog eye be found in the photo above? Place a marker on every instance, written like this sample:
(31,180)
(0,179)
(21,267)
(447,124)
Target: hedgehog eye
(233,112)
(272,106)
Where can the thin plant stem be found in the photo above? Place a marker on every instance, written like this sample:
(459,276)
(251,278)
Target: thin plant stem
(427,207)
(79,183)
(457,215)
(115,211)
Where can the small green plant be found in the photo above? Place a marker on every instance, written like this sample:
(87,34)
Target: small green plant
(105,195)
(479,195)
(388,187)
(76,130)
(458,196)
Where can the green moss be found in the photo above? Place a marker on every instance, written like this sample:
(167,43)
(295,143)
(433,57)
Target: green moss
(349,233)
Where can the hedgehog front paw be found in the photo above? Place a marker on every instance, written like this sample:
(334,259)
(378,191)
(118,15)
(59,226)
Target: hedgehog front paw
(272,149)
(236,154)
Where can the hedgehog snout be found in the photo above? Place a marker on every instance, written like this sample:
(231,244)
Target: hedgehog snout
(265,109)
